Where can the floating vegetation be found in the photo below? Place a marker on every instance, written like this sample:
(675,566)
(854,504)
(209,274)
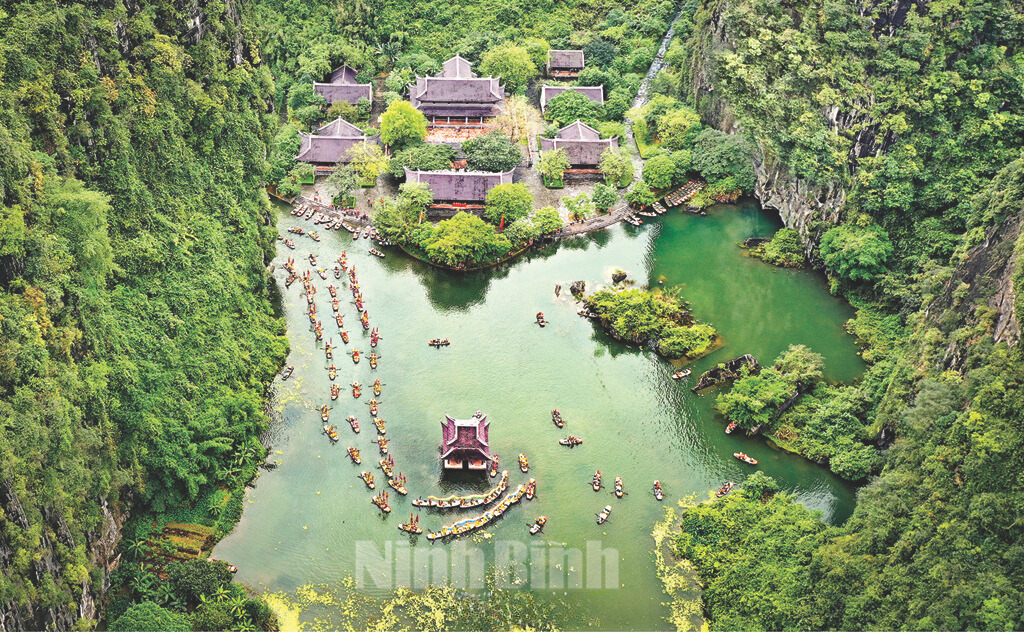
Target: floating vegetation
(678,577)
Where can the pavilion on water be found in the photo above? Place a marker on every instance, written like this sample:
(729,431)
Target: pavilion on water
(464,444)
(457,96)
(582,143)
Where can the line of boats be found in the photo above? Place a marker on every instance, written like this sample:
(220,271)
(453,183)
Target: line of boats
(465,502)
(471,524)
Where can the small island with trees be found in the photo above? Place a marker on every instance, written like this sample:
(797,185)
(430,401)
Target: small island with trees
(652,318)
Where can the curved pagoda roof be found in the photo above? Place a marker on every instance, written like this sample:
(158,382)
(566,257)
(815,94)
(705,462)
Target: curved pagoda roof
(581,142)
(343,87)
(459,186)
(457,91)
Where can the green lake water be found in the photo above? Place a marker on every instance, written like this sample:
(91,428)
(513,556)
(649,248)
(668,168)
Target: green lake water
(303,519)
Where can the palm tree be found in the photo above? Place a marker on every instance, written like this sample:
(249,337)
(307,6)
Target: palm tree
(237,605)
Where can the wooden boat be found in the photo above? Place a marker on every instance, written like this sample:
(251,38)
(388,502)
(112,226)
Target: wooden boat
(365,320)
(382,442)
(356,389)
(397,483)
(355,356)
(340,322)
(322,273)
(288,372)
(413,526)
(335,390)
(493,471)
(368,479)
(524,465)
(730,427)
(437,343)
(678,375)
(366,234)
(314,236)
(381,500)
(467,525)
(570,441)
(746,459)
(333,291)
(289,243)
(373,360)
(352,421)
(334,304)
(374,337)
(337,272)
(381,428)
(331,432)
(312,259)
(464,502)
(324,415)
(377,387)
(540,319)
(725,489)
(605,513)
(344,335)
(332,372)
(373,407)
(538,525)
(658,493)
(531,489)
(618,487)
(557,418)
(596,483)
(376,253)
(329,349)
(319,332)
(388,465)
(353,453)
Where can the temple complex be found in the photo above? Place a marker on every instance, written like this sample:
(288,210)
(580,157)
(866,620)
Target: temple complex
(330,144)
(464,444)
(344,87)
(459,188)
(594,93)
(457,95)
(565,64)
(581,142)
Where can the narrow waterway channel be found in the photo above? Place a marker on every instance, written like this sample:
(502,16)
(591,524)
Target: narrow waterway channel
(303,520)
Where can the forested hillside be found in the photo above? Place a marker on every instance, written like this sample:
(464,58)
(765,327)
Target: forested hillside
(137,332)
(890,136)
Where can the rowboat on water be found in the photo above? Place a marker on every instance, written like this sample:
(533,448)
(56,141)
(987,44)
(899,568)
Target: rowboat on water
(618,487)
(413,526)
(658,493)
(524,464)
(538,525)
(353,453)
(605,513)
(571,441)
(743,457)
(557,418)
(288,372)
(725,489)
(381,429)
(354,423)
(331,432)
(324,414)
(596,483)
(368,479)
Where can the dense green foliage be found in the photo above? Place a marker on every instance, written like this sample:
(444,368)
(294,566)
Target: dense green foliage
(785,249)
(512,63)
(149,616)
(572,106)
(617,167)
(855,253)
(754,400)
(402,125)
(652,318)
(492,152)
(507,203)
(426,157)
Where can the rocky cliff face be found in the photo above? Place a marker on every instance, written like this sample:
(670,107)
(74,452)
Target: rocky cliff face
(101,543)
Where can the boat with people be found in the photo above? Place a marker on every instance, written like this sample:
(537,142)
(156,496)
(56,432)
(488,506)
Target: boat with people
(329,349)
(377,387)
(374,337)
(334,304)
(725,489)
(382,442)
(356,389)
(437,343)
(379,423)
(413,526)
(678,375)
(538,525)
(353,453)
(344,334)
(470,524)
(355,356)
(322,273)
(531,489)
(373,407)
(596,482)
(632,219)
(605,513)
(376,253)
(373,360)
(324,414)
(333,291)
(388,465)
(493,470)
(467,501)
(335,390)
(337,272)
(368,479)
(745,458)
(288,372)
(315,236)
(730,427)
(289,243)
(331,432)
(397,483)
(557,418)
(571,441)
(352,421)
(381,500)
(524,465)
(332,372)
(540,319)
(340,322)
(658,493)
(312,259)
(365,320)
(618,487)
